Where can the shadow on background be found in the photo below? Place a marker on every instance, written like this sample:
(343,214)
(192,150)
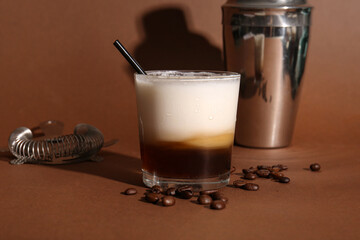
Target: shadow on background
(114,166)
(169,44)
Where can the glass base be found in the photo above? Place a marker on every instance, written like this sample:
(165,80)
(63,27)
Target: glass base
(150,180)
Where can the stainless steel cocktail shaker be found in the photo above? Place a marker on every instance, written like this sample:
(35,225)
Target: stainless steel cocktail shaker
(266,42)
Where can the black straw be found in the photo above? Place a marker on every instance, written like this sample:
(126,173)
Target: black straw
(129,58)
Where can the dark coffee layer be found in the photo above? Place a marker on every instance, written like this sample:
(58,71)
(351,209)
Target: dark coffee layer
(176,160)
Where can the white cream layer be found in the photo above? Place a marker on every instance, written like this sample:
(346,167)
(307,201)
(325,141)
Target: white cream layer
(183,110)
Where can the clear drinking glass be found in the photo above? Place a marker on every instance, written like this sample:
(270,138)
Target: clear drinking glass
(186,127)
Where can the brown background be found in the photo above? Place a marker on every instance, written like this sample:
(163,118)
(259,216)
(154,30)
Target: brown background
(57,61)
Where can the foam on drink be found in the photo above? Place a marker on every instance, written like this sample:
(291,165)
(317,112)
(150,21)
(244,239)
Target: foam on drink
(186,110)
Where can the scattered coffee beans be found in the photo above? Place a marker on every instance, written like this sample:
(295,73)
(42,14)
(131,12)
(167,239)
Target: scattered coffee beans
(250,187)
(215,198)
(315,167)
(152,197)
(130,191)
(204,199)
(250,176)
(217,205)
(284,179)
(168,201)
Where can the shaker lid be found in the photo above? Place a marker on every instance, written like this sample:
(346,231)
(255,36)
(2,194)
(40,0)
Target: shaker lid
(268,3)
(266,13)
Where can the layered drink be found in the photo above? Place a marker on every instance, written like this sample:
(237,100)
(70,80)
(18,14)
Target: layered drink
(186,126)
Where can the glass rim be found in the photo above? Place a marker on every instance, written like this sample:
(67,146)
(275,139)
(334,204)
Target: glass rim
(198,75)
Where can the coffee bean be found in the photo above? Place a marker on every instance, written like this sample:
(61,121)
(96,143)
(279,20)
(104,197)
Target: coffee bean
(276,169)
(204,199)
(239,183)
(186,194)
(208,192)
(279,167)
(156,189)
(250,176)
(315,167)
(249,170)
(284,179)
(283,167)
(218,205)
(130,191)
(250,187)
(171,191)
(219,196)
(216,195)
(168,201)
(152,197)
(185,188)
(263,173)
(276,175)
(265,167)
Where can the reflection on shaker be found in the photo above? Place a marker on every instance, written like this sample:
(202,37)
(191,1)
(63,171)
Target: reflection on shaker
(266,42)
(255,84)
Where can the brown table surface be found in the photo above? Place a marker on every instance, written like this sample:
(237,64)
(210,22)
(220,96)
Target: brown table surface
(84,201)
(57,62)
